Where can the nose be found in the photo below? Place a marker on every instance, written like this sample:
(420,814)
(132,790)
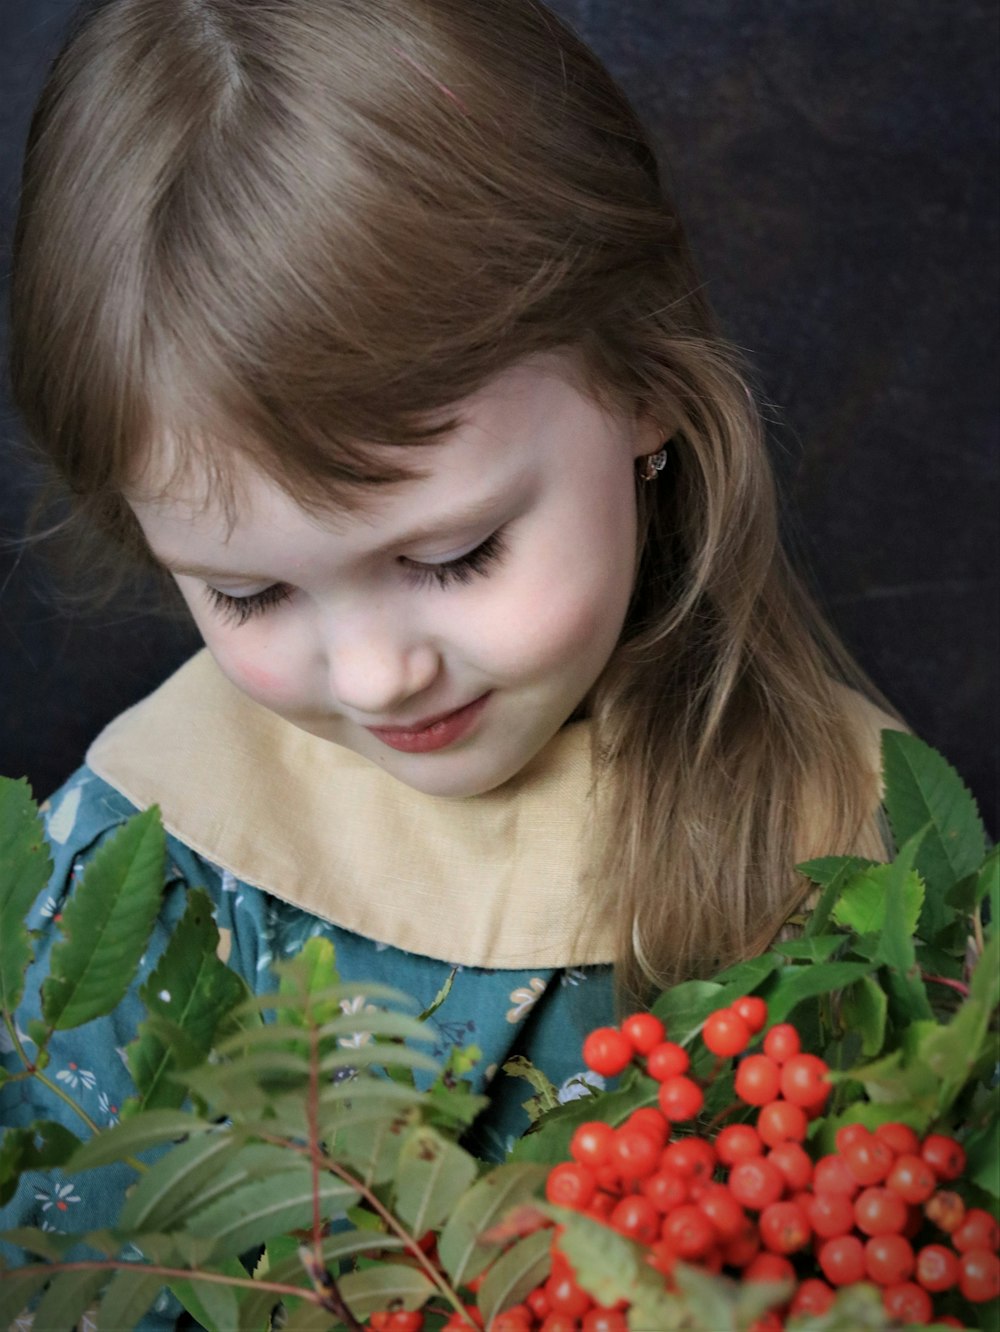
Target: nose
(377,664)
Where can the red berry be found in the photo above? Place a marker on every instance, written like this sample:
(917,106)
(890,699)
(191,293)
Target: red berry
(667,1060)
(979,1276)
(831,1214)
(944,1155)
(565,1296)
(518,1318)
(912,1178)
(665,1190)
(680,1098)
(538,1302)
(769,1267)
(753,1010)
(945,1209)
(833,1176)
(889,1259)
(937,1267)
(605,1320)
(880,1212)
(559,1322)
(643,1031)
(724,1212)
(848,1133)
(692,1157)
(842,1260)
(743,1249)
(636,1217)
(688,1231)
(907,1303)
(756,1183)
(737,1142)
(649,1119)
(805,1080)
(634,1153)
(812,1297)
(725,1033)
(869,1160)
(978,1230)
(758,1079)
(607,1052)
(781,1042)
(404,1320)
(782,1121)
(903,1140)
(794,1162)
(784,1227)
(570,1184)
(591,1143)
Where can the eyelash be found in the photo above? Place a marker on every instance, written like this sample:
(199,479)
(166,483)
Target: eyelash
(473,564)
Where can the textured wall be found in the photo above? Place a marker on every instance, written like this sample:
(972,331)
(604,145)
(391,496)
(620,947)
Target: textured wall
(836,162)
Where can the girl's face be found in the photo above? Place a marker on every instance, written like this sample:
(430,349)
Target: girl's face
(448,631)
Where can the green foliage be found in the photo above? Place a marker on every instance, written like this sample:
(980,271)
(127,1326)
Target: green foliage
(293,1120)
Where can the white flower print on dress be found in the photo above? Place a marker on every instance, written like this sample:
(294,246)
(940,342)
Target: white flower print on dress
(573,976)
(356,1005)
(576,1087)
(524,999)
(60,822)
(74,1076)
(62,1197)
(106,1108)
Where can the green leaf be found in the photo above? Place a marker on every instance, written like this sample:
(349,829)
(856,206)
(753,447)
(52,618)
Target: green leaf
(41,1146)
(863,904)
(864,1009)
(985,980)
(440,997)
(106,925)
(743,977)
(832,873)
(898,947)
(433,1174)
(214,1306)
(184,1177)
(549,1141)
(384,1285)
(982,1145)
(903,1076)
(129,1294)
(816,949)
(517,1271)
(922,787)
(252,1212)
(608,1265)
(989,889)
(683,1008)
(17,1290)
(547,1097)
(133,1136)
(25,869)
(504,1188)
(46,1244)
(370,1149)
(69,1297)
(194,993)
(722,1303)
(795,984)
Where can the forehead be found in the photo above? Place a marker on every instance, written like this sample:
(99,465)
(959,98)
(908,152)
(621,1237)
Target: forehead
(538,399)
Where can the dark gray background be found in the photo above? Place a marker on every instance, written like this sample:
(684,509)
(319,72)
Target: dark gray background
(836,164)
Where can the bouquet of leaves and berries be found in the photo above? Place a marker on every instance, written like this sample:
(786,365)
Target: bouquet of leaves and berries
(807,1141)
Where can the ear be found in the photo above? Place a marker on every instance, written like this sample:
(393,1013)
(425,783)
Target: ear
(650,434)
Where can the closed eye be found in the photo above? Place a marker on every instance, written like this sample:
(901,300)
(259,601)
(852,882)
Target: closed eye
(237,610)
(464,569)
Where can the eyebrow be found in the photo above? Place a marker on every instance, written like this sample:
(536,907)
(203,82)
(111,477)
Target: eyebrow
(468,517)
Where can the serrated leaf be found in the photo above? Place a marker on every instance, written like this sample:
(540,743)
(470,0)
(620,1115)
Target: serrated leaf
(547,1096)
(817,949)
(194,993)
(133,1136)
(25,869)
(129,1294)
(106,925)
(252,1212)
(41,1146)
(301,979)
(864,1009)
(440,997)
(433,1174)
(67,1299)
(384,1285)
(742,977)
(17,1290)
(898,946)
(516,1272)
(863,904)
(921,787)
(214,1305)
(504,1188)
(370,1149)
(832,873)
(185,1175)
(807,982)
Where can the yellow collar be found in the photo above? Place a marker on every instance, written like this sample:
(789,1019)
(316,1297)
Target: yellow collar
(490,881)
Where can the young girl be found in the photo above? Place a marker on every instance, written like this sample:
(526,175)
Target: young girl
(372,328)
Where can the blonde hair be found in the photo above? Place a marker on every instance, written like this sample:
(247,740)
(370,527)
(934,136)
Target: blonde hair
(292,225)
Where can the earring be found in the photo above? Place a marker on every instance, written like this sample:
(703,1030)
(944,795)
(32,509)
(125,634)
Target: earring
(653,464)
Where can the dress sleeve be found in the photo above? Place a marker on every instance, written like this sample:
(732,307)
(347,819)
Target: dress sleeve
(87,1079)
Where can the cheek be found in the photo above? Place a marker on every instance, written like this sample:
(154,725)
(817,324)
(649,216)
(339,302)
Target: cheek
(255,670)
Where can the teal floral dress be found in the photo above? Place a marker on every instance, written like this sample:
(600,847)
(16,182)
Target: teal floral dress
(541,1013)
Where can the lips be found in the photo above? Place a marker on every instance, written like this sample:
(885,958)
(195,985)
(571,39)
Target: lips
(433,733)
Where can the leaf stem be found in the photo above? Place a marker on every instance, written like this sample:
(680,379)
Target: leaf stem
(959,986)
(172,1273)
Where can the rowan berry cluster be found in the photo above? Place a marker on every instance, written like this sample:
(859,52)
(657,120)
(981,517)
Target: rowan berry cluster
(752,1201)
